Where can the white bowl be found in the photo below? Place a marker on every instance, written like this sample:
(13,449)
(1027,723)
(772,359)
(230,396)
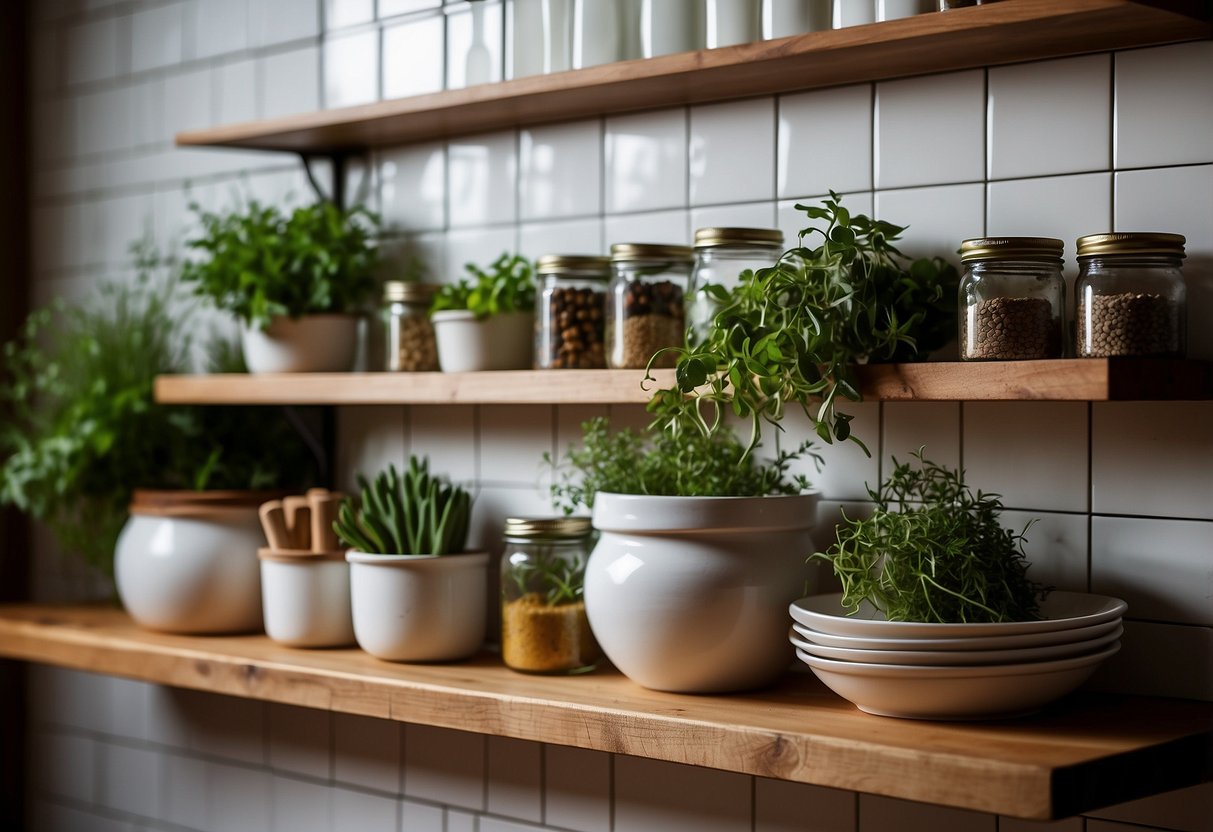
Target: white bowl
(1061,611)
(972,643)
(955,693)
(959,657)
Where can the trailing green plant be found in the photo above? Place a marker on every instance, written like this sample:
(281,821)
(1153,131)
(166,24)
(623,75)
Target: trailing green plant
(658,463)
(934,550)
(259,263)
(561,579)
(410,514)
(507,285)
(792,334)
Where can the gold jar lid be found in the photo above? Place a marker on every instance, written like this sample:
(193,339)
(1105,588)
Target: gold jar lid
(1011,248)
(1131,242)
(712,237)
(585,265)
(558,527)
(639,252)
(408,291)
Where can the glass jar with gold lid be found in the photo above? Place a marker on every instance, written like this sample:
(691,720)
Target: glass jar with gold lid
(721,255)
(645,303)
(1131,295)
(1012,299)
(570,312)
(408,333)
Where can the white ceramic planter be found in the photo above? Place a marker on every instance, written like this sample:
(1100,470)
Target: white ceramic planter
(690,594)
(306,596)
(186,562)
(498,342)
(419,608)
(311,344)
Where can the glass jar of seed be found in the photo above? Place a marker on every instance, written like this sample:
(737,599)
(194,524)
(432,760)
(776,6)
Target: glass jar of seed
(544,628)
(570,310)
(1012,299)
(721,255)
(645,303)
(409,335)
(1131,295)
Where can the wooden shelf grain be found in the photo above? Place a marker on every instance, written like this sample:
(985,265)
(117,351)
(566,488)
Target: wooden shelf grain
(999,33)
(1083,753)
(1059,380)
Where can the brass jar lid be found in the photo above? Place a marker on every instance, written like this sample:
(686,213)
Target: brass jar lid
(558,527)
(639,252)
(1011,248)
(1131,242)
(408,291)
(585,265)
(712,237)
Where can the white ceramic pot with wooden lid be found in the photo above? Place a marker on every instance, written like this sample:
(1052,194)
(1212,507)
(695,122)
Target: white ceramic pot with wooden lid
(186,561)
(306,597)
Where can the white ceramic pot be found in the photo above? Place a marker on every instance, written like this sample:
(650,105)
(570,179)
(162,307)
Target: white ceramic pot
(419,608)
(306,596)
(186,562)
(690,594)
(311,344)
(498,342)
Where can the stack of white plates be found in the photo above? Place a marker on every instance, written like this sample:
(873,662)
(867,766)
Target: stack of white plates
(956,671)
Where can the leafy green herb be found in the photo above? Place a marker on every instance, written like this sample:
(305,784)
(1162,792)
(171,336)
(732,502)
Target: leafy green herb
(934,550)
(259,264)
(507,285)
(413,514)
(689,465)
(559,580)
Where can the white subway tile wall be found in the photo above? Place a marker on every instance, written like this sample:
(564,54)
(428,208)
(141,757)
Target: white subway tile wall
(1080,145)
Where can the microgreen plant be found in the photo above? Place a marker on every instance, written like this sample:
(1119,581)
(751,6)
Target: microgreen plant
(507,285)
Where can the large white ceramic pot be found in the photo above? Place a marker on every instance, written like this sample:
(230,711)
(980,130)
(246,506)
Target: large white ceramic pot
(310,344)
(419,608)
(499,342)
(306,596)
(186,562)
(690,594)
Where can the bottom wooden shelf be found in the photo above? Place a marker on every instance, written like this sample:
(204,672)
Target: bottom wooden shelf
(1086,752)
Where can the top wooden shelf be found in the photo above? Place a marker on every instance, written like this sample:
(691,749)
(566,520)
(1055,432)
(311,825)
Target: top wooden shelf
(1000,33)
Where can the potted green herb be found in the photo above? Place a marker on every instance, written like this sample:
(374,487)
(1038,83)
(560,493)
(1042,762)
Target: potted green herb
(296,282)
(702,548)
(415,592)
(487,322)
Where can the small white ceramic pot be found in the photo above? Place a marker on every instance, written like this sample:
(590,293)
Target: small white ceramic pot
(690,594)
(498,342)
(186,562)
(419,608)
(311,344)
(306,596)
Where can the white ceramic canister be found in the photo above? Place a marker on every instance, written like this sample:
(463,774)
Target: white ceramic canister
(306,597)
(186,562)
(595,32)
(897,9)
(690,594)
(310,344)
(499,342)
(668,26)
(729,22)
(419,608)
(784,18)
(854,13)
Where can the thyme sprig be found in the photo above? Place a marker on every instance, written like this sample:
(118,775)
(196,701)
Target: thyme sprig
(559,580)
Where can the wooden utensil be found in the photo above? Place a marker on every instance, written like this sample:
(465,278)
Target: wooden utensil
(273,522)
(298,521)
(324,512)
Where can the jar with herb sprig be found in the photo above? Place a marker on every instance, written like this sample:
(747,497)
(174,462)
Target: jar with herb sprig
(544,625)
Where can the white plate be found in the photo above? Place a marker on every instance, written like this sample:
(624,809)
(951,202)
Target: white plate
(955,693)
(975,643)
(958,657)
(1061,611)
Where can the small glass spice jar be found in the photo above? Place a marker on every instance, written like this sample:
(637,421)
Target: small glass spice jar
(1012,299)
(544,628)
(645,303)
(721,255)
(1131,295)
(409,335)
(570,310)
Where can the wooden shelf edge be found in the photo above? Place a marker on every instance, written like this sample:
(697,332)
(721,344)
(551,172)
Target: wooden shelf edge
(1000,33)
(1085,753)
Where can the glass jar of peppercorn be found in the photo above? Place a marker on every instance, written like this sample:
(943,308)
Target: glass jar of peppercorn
(644,312)
(569,315)
(1012,299)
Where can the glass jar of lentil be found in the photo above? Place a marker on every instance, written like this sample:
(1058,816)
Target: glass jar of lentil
(1131,295)
(1012,299)
(570,309)
(645,303)
(721,255)
(544,628)
(408,333)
